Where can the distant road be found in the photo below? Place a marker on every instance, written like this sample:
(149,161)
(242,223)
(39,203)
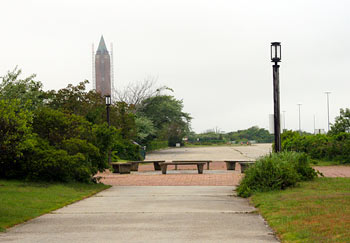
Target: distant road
(215,153)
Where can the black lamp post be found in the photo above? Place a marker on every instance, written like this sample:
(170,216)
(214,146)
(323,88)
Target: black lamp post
(276,58)
(108,103)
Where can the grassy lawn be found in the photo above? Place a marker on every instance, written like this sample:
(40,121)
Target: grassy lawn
(21,201)
(317,211)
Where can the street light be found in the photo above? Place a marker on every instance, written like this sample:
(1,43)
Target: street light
(314,124)
(284,120)
(276,52)
(108,103)
(327,93)
(299,118)
(276,58)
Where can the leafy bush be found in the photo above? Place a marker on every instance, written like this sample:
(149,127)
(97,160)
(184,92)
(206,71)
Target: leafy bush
(340,149)
(15,132)
(52,145)
(320,146)
(275,172)
(56,126)
(44,162)
(127,150)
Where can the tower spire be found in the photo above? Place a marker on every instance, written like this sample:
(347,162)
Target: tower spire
(102,49)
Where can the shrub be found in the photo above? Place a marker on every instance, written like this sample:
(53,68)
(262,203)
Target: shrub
(340,150)
(15,132)
(127,150)
(275,172)
(110,139)
(330,147)
(44,162)
(76,160)
(56,126)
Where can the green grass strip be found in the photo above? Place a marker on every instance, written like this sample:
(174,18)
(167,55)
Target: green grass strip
(327,163)
(316,211)
(21,201)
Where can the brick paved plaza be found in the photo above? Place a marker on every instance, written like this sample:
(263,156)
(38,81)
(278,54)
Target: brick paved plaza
(181,178)
(187,175)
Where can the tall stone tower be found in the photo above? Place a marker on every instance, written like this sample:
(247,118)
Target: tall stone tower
(103,69)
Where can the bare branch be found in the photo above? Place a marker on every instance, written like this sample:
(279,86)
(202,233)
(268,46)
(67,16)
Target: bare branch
(134,93)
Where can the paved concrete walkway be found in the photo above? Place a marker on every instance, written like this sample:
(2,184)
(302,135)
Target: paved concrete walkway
(149,214)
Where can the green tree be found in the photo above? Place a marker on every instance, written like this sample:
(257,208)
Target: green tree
(56,126)
(260,135)
(123,118)
(27,91)
(167,116)
(59,135)
(15,134)
(145,129)
(342,122)
(76,100)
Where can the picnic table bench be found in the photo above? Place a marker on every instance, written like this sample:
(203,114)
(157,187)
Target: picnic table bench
(121,167)
(189,161)
(231,164)
(135,164)
(200,165)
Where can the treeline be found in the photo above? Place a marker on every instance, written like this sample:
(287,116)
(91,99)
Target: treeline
(63,135)
(259,135)
(332,146)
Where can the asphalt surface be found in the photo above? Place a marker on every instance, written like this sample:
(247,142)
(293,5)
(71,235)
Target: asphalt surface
(215,153)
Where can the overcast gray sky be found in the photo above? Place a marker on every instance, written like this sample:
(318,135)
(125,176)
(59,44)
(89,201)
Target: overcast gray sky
(214,54)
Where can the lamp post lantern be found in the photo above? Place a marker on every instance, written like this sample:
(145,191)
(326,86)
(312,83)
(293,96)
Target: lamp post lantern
(276,58)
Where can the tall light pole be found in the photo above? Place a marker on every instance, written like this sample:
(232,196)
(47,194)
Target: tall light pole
(299,118)
(314,124)
(327,93)
(276,58)
(108,103)
(284,120)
